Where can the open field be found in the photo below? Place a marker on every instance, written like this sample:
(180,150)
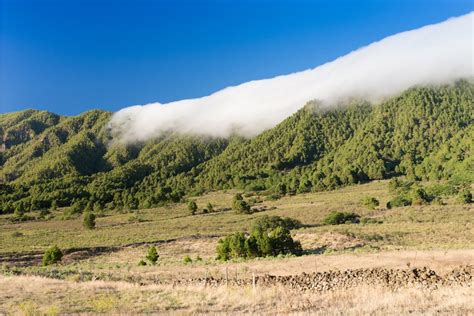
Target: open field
(35,295)
(102,274)
(416,227)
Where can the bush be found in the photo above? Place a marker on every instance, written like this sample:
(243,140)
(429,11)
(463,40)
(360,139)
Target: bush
(187,259)
(465,196)
(232,246)
(152,255)
(370,202)
(337,218)
(89,220)
(240,206)
(141,263)
(192,207)
(270,236)
(418,196)
(266,222)
(52,256)
(398,201)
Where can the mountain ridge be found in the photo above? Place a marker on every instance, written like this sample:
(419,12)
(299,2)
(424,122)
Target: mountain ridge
(46,157)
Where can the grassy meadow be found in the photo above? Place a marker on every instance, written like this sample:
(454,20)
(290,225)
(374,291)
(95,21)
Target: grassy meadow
(438,236)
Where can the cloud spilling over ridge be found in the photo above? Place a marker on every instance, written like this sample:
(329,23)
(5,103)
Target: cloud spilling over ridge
(434,54)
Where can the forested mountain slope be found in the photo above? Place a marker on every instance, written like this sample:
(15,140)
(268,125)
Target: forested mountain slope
(47,159)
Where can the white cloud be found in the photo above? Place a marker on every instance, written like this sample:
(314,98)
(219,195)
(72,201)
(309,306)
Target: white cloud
(433,54)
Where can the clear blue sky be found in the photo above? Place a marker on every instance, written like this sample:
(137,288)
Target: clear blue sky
(69,56)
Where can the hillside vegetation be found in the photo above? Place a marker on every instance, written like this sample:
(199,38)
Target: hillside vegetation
(49,161)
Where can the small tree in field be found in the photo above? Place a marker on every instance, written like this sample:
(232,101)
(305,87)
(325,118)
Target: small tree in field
(192,207)
(152,255)
(52,255)
(89,220)
(239,204)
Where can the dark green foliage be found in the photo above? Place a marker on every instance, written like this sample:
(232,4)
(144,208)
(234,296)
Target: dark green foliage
(418,196)
(398,201)
(52,255)
(89,220)
(142,263)
(465,196)
(337,218)
(152,255)
(424,133)
(270,236)
(187,259)
(192,207)
(370,202)
(239,205)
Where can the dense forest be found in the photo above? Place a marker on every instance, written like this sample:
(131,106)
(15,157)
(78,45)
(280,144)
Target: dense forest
(49,161)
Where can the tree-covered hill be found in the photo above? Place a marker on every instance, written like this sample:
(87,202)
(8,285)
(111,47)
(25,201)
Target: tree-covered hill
(50,160)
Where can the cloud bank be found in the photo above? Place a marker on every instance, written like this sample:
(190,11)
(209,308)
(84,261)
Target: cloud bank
(434,54)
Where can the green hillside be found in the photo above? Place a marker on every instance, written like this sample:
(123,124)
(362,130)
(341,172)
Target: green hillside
(49,160)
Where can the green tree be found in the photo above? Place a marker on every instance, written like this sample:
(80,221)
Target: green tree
(152,255)
(52,256)
(89,220)
(192,207)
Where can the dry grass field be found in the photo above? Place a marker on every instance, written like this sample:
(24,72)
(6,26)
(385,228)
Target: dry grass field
(41,296)
(109,279)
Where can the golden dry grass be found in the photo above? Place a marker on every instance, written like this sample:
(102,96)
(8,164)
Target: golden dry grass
(34,295)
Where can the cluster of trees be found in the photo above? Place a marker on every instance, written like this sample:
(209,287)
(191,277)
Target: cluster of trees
(269,236)
(413,193)
(55,162)
(338,218)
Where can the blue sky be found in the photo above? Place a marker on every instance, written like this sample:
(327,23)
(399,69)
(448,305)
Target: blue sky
(70,56)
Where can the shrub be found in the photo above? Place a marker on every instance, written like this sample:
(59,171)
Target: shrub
(370,202)
(270,236)
(192,207)
(337,218)
(52,255)
(152,255)
(465,196)
(240,206)
(232,246)
(419,196)
(398,201)
(89,220)
(187,259)
(266,222)
(141,263)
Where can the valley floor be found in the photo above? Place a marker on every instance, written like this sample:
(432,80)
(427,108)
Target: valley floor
(100,271)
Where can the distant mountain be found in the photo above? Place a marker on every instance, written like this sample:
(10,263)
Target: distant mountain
(425,133)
